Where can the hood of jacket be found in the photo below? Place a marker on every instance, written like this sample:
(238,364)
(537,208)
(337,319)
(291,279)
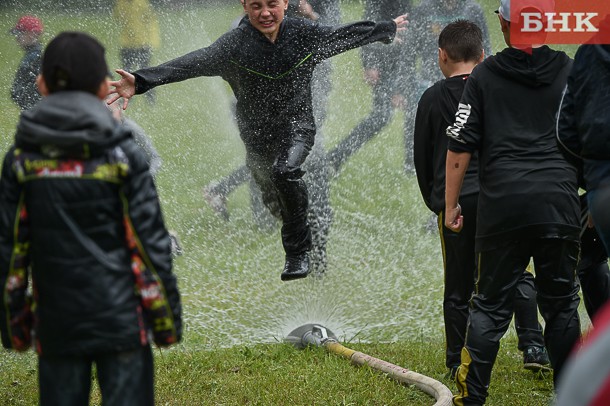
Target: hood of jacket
(69,124)
(540,68)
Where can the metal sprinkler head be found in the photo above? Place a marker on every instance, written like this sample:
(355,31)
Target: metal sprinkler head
(310,334)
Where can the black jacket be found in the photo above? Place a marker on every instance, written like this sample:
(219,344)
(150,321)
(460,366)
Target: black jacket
(74,187)
(271,81)
(507,114)
(435,112)
(24,91)
(583,126)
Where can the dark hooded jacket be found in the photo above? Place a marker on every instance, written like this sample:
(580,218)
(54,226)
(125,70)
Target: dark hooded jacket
(271,81)
(435,112)
(74,188)
(507,114)
(583,126)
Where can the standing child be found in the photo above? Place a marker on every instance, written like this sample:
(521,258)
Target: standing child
(528,200)
(27,33)
(269,60)
(80,212)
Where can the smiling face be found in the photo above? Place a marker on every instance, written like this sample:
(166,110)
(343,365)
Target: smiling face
(266,15)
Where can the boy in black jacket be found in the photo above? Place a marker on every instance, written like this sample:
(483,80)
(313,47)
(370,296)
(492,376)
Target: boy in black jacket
(79,210)
(269,60)
(460,50)
(528,202)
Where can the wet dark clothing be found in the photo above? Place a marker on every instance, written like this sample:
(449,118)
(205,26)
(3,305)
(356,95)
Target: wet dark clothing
(125,378)
(24,91)
(271,82)
(435,112)
(385,60)
(583,128)
(518,153)
(73,188)
(528,206)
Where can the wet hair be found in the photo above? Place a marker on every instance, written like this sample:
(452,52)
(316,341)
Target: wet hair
(462,40)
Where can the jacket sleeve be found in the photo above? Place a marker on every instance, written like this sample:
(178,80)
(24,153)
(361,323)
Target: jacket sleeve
(466,131)
(209,61)
(15,312)
(151,238)
(335,40)
(423,139)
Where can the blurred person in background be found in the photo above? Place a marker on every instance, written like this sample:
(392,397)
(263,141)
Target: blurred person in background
(27,32)
(139,34)
(419,64)
(381,74)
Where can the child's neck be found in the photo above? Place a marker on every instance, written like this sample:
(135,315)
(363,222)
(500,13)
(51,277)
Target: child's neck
(460,68)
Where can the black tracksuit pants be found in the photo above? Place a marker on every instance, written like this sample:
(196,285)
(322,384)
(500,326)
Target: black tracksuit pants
(492,307)
(459,260)
(277,169)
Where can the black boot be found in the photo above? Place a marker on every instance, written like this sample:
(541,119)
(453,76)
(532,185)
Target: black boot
(296,267)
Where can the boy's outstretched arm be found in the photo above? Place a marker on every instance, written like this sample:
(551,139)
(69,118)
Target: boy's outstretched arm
(124,87)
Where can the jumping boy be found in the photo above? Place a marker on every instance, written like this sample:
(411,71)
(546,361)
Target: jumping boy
(460,50)
(81,212)
(269,60)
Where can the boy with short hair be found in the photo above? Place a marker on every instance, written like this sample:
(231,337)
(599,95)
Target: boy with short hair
(79,212)
(269,61)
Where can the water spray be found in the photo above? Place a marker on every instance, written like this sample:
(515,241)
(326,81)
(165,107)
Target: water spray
(320,336)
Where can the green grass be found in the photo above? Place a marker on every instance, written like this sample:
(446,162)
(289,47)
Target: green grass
(383,291)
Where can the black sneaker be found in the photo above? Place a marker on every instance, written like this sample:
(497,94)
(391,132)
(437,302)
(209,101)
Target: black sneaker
(296,267)
(536,359)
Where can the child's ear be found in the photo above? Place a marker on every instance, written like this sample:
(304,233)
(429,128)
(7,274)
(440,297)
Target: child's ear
(442,55)
(42,85)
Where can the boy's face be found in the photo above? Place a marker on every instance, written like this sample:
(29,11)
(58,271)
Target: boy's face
(25,39)
(266,15)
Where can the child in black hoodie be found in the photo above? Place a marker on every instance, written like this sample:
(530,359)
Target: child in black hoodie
(528,202)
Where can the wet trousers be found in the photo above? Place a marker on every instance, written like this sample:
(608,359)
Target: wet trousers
(277,169)
(125,378)
(492,308)
(459,260)
(593,272)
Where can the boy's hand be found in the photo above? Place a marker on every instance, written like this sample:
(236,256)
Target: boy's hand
(401,22)
(124,87)
(454,219)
